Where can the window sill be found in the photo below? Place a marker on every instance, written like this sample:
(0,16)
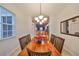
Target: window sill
(7,38)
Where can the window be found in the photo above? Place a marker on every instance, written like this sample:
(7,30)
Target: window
(7,23)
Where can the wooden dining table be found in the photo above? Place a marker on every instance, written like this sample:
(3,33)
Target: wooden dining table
(44,47)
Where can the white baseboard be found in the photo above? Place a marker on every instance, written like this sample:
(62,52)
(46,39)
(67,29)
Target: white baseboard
(14,52)
(69,51)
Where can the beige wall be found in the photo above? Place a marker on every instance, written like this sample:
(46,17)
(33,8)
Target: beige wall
(11,46)
(71,42)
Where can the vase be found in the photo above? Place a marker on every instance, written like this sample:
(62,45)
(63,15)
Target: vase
(39,41)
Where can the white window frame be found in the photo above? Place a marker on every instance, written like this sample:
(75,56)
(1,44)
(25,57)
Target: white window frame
(8,13)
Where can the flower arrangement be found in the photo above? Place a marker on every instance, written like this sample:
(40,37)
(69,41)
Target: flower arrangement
(39,39)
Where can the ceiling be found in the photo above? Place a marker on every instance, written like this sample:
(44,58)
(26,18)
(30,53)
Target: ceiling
(33,9)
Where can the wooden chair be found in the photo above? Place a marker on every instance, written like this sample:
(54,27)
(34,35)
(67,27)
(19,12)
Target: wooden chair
(52,38)
(32,53)
(24,41)
(28,38)
(58,43)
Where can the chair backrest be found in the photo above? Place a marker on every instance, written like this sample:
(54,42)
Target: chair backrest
(32,53)
(28,38)
(52,38)
(58,43)
(24,41)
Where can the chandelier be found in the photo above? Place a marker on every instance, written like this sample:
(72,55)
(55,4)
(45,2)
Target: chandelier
(41,18)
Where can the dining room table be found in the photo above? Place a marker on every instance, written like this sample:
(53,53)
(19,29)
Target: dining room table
(44,47)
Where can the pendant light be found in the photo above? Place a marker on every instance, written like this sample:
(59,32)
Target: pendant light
(41,18)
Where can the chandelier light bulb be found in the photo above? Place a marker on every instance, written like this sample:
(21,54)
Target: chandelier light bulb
(45,19)
(41,17)
(36,18)
(40,23)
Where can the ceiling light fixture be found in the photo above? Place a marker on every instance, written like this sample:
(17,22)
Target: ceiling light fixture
(41,18)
